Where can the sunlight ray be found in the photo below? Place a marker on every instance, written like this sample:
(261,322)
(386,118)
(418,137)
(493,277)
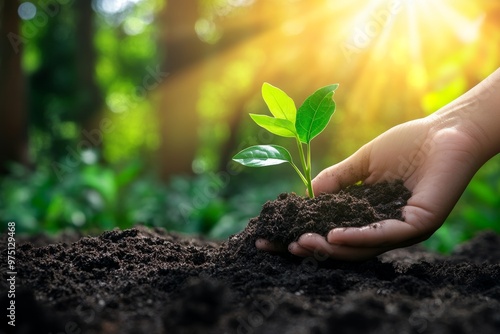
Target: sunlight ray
(466,29)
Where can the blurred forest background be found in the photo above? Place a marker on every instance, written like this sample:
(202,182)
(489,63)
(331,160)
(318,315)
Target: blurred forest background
(117,112)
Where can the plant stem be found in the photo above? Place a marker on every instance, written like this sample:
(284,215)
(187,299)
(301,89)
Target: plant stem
(302,156)
(308,172)
(306,166)
(302,177)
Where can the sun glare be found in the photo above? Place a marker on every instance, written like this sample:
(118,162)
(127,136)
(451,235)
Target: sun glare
(404,39)
(389,57)
(409,25)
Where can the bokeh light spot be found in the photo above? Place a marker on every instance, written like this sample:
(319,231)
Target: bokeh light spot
(26,10)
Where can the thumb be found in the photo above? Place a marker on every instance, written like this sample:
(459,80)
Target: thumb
(343,174)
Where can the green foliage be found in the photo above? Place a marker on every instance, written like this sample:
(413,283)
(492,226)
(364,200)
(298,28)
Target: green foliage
(89,197)
(56,99)
(303,124)
(127,73)
(93,197)
(126,60)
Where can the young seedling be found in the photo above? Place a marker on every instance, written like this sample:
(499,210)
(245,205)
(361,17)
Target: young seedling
(303,124)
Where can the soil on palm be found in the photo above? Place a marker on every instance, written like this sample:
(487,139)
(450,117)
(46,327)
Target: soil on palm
(289,216)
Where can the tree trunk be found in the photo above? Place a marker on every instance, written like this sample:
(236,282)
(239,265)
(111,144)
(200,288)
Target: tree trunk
(178,117)
(91,112)
(188,65)
(13,114)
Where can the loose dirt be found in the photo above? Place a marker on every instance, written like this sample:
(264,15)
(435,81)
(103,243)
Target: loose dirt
(152,281)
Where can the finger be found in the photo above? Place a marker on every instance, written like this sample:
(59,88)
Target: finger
(268,246)
(311,244)
(386,233)
(316,244)
(347,253)
(343,174)
(298,250)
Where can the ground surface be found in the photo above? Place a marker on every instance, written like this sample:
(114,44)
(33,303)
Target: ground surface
(151,281)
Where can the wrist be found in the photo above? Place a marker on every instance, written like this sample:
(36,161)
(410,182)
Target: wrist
(476,114)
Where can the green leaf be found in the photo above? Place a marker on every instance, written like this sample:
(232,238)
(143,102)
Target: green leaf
(278,126)
(263,155)
(279,103)
(315,113)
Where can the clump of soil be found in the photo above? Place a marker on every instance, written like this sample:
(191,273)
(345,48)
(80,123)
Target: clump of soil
(152,281)
(286,218)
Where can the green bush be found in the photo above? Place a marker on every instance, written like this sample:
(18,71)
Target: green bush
(88,197)
(95,197)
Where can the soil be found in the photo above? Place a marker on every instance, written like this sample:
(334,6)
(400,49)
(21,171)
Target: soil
(289,216)
(152,281)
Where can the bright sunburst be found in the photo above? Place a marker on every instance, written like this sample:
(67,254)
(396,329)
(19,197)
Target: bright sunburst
(406,28)
(404,40)
(395,60)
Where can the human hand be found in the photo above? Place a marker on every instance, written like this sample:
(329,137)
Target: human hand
(435,157)
(435,160)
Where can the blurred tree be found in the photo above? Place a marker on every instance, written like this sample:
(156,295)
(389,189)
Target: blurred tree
(200,115)
(91,97)
(65,99)
(13,117)
(128,71)
(179,125)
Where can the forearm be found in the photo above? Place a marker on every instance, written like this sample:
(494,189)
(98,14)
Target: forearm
(476,113)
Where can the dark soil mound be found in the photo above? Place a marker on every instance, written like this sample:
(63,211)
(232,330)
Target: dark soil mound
(150,281)
(285,219)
